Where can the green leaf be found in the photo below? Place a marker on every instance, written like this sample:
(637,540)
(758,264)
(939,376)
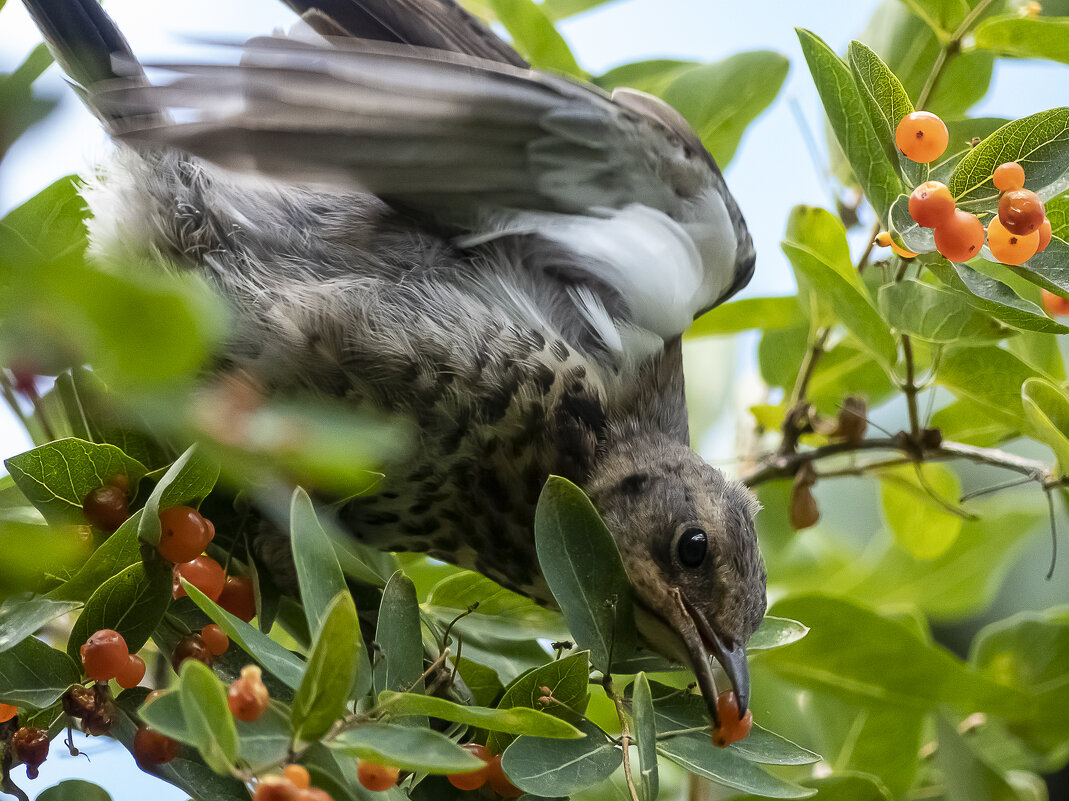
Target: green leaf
(74,790)
(48,227)
(118,552)
(331,672)
(743,315)
(720,100)
(775,632)
(583,569)
(1025,37)
(285,666)
(990,376)
(208,717)
(645,737)
(535,37)
(816,245)
(845,110)
(319,573)
(400,639)
(482,681)
(266,742)
(921,524)
(653,76)
(21,617)
(516,720)
(567,680)
(1058,214)
(969,422)
(1047,409)
(407,747)
(935,314)
(555,768)
(560,9)
(56,477)
(973,780)
(165,714)
(1040,143)
(500,613)
(132,602)
(843,786)
(35,675)
(726,766)
(187,482)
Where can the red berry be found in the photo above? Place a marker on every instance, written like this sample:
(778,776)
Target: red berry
(376,777)
(215,638)
(106,507)
(961,238)
(731,728)
(1010,248)
(152,748)
(922,136)
(931,204)
(1045,235)
(238,597)
(1021,211)
(248,697)
(132,672)
(191,647)
(498,781)
(298,774)
(276,788)
(204,573)
(184,534)
(1009,176)
(7,712)
(104,655)
(1055,304)
(476,778)
(30,745)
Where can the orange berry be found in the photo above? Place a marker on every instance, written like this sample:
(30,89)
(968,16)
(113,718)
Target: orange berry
(1021,211)
(931,204)
(731,728)
(883,239)
(152,748)
(902,252)
(1009,176)
(7,712)
(191,647)
(298,774)
(275,788)
(104,655)
(476,778)
(376,777)
(184,534)
(1010,248)
(132,672)
(204,573)
(498,781)
(961,238)
(106,507)
(1045,235)
(314,794)
(922,136)
(215,638)
(1055,304)
(238,597)
(248,697)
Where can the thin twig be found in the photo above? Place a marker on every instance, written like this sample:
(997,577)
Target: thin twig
(1053,533)
(625,734)
(809,365)
(910,387)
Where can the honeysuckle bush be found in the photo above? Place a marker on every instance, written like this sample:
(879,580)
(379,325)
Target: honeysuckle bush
(397,658)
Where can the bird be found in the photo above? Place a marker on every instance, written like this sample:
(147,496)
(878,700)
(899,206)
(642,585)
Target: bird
(402,213)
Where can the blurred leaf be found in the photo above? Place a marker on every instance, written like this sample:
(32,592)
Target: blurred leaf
(35,675)
(500,613)
(845,110)
(74,790)
(779,352)
(720,100)
(847,370)
(534,36)
(331,672)
(567,680)
(285,666)
(969,422)
(554,768)
(265,743)
(409,748)
(318,572)
(935,314)
(1041,141)
(1047,409)
(516,720)
(584,571)
(118,552)
(943,16)
(132,602)
(775,632)
(22,617)
(921,524)
(816,245)
(843,786)
(36,556)
(56,477)
(559,9)
(400,639)
(727,766)
(47,228)
(208,717)
(1025,37)
(743,315)
(989,376)
(645,737)
(187,482)
(652,76)
(1049,269)
(972,779)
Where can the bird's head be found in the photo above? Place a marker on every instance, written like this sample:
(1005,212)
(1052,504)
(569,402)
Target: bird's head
(686,535)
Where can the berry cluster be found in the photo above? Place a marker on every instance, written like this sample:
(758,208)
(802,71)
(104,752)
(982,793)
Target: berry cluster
(295,784)
(92,706)
(731,728)
(105,656)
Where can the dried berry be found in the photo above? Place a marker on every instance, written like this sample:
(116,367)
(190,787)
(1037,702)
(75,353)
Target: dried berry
(191,647)
(852,422)
(30,746)
(79,701)
(106,507)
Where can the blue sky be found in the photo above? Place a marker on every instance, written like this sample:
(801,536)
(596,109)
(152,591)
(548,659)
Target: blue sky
(771,172)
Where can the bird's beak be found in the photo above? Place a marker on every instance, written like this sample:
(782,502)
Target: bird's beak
(703,642)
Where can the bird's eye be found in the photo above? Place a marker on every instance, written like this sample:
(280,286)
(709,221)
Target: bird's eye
(692,547)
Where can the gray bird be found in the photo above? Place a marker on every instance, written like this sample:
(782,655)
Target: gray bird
(402,213)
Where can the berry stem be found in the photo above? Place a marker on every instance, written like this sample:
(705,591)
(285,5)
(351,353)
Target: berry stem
(625,734)
(910,388)
(952,46)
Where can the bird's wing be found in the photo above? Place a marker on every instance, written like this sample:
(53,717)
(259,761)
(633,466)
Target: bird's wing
(622,183)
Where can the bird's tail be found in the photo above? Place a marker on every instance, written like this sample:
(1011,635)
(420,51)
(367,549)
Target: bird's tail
(90,48)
